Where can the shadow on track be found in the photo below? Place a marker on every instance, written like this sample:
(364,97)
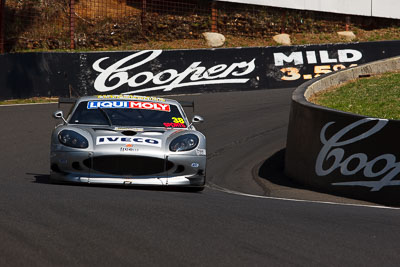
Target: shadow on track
(273,170)
(45,179)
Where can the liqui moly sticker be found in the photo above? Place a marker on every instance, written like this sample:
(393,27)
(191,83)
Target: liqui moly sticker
(129,104)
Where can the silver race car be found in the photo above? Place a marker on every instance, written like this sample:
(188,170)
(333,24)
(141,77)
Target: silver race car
(128,140)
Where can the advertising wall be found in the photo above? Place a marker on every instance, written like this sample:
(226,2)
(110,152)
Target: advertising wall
(158,72)
(340,152)
(343,153)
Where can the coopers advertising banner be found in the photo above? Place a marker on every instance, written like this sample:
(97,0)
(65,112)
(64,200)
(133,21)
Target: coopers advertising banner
(344,153)
(157,72)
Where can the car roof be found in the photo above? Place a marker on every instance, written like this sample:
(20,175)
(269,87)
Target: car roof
(128,97)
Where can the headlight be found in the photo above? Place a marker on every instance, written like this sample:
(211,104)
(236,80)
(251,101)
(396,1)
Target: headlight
(72,139)
(184,143)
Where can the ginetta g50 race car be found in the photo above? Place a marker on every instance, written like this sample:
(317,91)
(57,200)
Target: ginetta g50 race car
(129,140)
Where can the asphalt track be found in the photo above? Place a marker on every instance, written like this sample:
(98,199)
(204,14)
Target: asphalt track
(44,224)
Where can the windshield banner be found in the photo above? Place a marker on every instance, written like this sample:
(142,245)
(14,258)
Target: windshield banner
(128,104)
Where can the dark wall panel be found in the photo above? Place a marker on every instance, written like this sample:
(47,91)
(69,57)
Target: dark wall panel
(343,153)
(179,71)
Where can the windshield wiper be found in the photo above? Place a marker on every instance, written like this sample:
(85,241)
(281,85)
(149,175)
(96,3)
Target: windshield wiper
(106,115)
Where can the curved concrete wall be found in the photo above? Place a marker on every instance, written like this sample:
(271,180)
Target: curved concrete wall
(340,152)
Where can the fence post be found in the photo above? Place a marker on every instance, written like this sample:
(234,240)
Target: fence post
(2,14)
(143,15)
(72,24)
(283,23)
(214,16)
(348,21)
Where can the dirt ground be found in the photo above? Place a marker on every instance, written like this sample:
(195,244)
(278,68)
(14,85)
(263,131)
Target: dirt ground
(243,41)
(90,9)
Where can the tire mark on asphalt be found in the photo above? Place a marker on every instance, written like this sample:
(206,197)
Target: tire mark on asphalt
(228,146)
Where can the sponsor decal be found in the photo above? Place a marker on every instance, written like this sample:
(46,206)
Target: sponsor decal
(122,73)
(128,148)
(344,58)
(174,125)
(129,129)
(200,152)
(177,123)
(128,104)
(334,152)
(107,140)
(135,97)
(310,57)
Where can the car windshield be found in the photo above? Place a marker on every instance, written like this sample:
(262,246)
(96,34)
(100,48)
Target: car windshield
(128,113)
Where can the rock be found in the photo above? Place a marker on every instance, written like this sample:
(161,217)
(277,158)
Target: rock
(348,35)
(283,39)
(214,39)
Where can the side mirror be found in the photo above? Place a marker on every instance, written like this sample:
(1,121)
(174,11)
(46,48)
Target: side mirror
(197,119)
(59,115)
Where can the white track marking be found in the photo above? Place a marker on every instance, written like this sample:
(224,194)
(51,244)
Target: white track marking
(225,190)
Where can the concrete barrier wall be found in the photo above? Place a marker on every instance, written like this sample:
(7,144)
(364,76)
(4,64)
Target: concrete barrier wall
(341,152)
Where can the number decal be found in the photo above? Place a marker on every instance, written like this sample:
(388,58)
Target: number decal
(291,74)
(338,67)
(318,70)
(177,120)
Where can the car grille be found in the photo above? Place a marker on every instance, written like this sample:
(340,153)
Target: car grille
(128,165)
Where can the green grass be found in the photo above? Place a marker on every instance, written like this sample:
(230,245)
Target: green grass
(29,101)
(377,96)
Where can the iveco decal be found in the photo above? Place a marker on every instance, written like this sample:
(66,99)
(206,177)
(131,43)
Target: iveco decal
(166,80)
(106,140)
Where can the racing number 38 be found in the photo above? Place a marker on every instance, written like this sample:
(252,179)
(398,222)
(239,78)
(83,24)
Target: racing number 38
(177,120)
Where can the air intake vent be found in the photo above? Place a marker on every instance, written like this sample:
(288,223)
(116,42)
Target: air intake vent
(128,133)
(179,169)
(128,165)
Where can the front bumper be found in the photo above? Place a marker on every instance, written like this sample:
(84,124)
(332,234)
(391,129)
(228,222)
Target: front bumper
(148,181)
(180,170)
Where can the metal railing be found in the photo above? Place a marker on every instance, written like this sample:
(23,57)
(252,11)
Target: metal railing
(2,8)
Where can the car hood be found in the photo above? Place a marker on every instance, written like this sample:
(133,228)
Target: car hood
(144,140)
